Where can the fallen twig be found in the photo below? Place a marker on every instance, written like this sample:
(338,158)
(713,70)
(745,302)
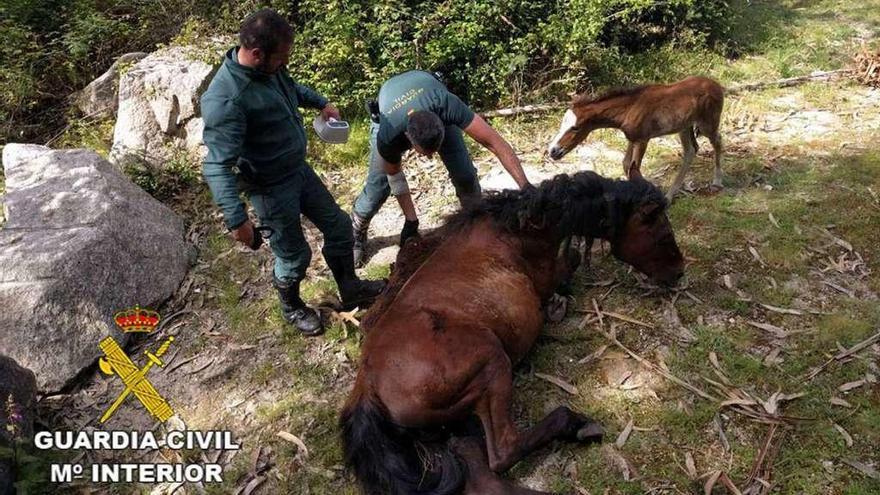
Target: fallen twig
(617,316)
(787,82)
(845,354)
(559,382)
(658,369)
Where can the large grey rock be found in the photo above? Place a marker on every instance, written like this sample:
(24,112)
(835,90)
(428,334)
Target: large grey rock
(19,384)
(80,243)
(158,113)
(99,98)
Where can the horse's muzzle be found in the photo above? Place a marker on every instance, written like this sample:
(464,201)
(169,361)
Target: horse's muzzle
(557,152)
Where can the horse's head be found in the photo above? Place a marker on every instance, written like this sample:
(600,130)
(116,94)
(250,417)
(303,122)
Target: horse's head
(576,126)
(645,241)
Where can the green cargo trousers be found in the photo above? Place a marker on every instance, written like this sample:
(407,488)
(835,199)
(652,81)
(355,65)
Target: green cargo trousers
(452,152)
(279,207)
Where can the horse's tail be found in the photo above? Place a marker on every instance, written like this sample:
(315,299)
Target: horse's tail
(386,459)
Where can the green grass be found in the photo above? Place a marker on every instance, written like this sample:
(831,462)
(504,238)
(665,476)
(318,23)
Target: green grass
(806,185)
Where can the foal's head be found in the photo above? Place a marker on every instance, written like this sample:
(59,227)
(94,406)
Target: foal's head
(587,113)
(645,241)
(574,129)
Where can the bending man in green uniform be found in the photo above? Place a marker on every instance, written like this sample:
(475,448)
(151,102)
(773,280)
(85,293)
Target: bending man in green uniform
(257,145)
(417,111)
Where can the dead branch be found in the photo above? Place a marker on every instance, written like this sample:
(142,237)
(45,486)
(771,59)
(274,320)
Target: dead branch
(789,81)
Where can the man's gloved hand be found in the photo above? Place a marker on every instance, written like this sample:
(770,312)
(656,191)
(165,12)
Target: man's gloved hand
(410,229)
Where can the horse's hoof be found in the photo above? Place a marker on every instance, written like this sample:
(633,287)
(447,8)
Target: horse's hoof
(592,432)
(556,308)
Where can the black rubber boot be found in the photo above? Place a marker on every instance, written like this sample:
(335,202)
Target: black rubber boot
(359,227)
(295,311)
(354,292)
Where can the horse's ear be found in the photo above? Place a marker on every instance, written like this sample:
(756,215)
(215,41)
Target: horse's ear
(649,211)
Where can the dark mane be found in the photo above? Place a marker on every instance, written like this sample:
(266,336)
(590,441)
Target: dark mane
(588,99)
(583,203)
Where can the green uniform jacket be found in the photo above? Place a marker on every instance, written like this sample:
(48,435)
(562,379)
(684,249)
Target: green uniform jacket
(409,92)
(252,123)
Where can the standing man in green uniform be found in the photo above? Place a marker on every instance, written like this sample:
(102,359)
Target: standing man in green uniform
(416,111)
(257,144)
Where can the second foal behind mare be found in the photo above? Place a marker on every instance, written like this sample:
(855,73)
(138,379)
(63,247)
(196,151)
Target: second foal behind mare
(646,112)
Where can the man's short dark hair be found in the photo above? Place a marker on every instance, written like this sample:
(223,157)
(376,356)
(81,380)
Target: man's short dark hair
(266,30)
(425,130)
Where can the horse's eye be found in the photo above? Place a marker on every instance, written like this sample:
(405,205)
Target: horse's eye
(574,128)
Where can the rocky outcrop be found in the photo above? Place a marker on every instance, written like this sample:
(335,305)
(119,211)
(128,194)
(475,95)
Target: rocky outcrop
(100,98)
(80,243)
(158,115)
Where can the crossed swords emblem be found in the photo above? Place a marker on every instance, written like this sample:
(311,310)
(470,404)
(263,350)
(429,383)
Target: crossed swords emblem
(115,361)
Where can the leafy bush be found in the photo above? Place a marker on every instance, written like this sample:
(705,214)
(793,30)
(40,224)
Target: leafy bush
(493,52)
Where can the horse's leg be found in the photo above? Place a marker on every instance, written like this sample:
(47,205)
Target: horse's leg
(709,126)
(505,444)
(715,139)
(689,146)
(480,480)
(627,158)
(635,164)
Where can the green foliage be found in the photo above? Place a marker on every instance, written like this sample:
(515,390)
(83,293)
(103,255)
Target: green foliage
(178,173)
(493,52)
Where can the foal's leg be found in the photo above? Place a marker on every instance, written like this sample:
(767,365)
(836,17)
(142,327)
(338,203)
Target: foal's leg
(715,139)
(689,145)
(634,166)
(505,444)
(627,158)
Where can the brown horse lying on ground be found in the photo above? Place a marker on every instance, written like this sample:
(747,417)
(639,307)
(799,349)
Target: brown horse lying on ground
(645,112)
(463,306)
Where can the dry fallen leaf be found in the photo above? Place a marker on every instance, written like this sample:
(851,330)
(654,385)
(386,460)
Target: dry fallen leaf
(777,332)
(846,436)
(837,240)
(773,220)
(624,435)
(294,440)
(786,311)
(559,382)
(690,465)
(837,401)
(772,358)
(620,463)
(710,483)
(594,356)
(253,485)
(728,282)
(863,468)
(756,255)
(846,387)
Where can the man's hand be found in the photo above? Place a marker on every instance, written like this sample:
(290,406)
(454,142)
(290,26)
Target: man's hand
(483,133)
(329,111)
(410,229)
(244,233)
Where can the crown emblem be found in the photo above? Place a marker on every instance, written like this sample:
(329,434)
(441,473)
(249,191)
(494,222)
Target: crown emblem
(136,320)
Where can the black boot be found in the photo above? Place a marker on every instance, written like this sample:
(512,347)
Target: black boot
(353,291)
(359,227)
(295,311)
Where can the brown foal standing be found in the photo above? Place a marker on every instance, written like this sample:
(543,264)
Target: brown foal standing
(645,112)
